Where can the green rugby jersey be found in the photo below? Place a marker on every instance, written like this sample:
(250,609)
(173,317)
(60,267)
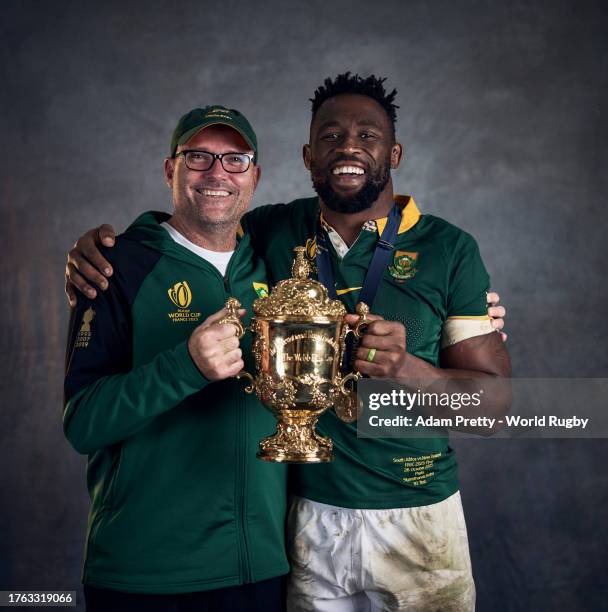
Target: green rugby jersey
(179,502)
(435,273)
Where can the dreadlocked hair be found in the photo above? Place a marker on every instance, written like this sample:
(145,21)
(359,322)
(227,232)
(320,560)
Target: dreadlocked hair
(371,86)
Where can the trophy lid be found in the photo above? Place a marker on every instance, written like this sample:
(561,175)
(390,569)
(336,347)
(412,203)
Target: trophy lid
(299,296)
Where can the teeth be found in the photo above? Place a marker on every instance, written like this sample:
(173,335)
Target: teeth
(214,193)
(348,170)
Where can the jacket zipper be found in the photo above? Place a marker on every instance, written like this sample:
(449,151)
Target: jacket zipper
(241,488)
(241,437)
(241,476)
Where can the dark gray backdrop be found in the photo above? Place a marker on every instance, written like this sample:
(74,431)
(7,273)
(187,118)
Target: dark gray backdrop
(503,118)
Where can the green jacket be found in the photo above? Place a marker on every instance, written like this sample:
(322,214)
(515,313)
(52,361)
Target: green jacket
(179,502)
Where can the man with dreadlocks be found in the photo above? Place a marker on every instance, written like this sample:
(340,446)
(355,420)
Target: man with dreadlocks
(382,527)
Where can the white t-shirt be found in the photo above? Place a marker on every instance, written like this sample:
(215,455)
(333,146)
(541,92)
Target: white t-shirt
(215,258)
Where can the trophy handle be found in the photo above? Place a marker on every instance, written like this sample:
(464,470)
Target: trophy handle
(360,326)
(232,306)
(250,388)
(354,376)
(232,317)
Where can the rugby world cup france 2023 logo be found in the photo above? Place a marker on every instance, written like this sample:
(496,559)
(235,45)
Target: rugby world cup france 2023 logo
(181,296)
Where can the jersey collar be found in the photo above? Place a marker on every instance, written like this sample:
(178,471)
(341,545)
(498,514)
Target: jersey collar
(410,215)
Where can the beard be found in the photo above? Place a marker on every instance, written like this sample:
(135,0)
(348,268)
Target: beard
(376,181)
(196,209)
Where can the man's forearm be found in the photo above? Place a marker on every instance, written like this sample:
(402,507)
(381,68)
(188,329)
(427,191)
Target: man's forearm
(115,407)
(489,378)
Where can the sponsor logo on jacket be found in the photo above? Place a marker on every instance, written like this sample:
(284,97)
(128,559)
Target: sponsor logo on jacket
(181,296)
(261,289)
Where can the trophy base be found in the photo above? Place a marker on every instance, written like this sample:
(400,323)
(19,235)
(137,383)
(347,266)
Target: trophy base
(296,442)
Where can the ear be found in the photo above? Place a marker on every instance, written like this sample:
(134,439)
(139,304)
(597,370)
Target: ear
(306,156)
(396,154)
(169,168)
(256,176)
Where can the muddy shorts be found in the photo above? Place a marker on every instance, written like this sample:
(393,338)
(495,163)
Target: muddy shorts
(346,560)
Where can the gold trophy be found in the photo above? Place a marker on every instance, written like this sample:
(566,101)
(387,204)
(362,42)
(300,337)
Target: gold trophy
(298,347)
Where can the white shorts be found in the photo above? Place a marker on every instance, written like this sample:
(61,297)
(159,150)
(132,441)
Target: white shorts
(346,560)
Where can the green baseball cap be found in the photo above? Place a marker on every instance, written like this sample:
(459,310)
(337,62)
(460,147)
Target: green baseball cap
(199,118)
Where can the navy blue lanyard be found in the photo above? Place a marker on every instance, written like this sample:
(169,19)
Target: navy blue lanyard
(382,254)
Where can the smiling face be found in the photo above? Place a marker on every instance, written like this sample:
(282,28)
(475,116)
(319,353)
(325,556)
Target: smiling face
(351,151)
(213,199)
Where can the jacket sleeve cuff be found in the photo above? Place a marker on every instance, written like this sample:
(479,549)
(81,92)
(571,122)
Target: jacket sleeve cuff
(189,372)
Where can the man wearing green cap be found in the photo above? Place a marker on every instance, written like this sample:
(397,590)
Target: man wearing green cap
(183,516)
(382,527)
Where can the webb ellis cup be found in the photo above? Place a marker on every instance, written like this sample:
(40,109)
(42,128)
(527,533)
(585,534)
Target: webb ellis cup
(298,347)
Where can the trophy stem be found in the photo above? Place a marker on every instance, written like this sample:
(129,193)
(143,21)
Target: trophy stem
(296,441)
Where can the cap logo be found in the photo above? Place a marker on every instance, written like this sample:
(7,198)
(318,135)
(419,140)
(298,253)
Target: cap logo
(199,118)
(218,112)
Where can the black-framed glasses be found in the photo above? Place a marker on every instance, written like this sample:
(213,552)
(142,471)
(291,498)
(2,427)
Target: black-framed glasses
(204,160)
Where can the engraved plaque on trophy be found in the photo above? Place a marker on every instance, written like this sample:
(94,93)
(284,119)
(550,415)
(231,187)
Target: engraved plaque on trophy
(298,347)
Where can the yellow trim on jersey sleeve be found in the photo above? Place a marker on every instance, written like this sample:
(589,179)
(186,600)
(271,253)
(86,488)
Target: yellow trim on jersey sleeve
(457,329)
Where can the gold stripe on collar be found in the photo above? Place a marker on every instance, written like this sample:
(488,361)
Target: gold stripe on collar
(410,215)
